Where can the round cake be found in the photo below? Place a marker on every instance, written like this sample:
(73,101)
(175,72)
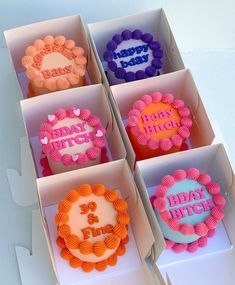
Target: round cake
(132,55)
(158,124)
(92,227)
(188,207)
(72,139)
(53,64)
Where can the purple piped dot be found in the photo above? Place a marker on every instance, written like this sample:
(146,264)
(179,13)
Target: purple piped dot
(120,73)
(117,38)
(126,34)
(136,34)
(130,76)
(156,62)
(147,37)
(111,45)
(112,66)
(150,71)
(154,45)
(158,53)
(108,55)
(140,74)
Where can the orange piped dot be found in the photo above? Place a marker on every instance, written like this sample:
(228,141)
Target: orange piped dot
(64,206)
(111,241)
(125,240)
(72,242)
(123,218)
(60,242)
(99,248)
(121,250)
(112,260)
(64,230)
(120,205)
(101,265)
(66,254)
(75,262)
(72,196)
(86,247)
(111,195)
(120,231)
(61,218)
(98,189)
(84,190)
(88,266)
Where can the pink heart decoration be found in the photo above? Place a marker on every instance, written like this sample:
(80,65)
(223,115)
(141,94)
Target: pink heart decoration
(44,140)
(99,134)
(51,117)
(77,112)
(75,157)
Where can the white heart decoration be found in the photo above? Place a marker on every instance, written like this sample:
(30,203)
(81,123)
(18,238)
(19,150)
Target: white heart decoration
(75,157)
(51,117)
(44,140)
(77,112)
(99,134)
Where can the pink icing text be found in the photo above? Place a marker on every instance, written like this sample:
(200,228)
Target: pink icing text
(48,73)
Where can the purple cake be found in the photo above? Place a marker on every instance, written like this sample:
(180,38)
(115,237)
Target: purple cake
(132,55)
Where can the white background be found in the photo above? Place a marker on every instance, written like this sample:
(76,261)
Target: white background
(205,33)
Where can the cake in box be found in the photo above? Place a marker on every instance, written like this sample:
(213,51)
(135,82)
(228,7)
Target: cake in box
(158,124)
(132,55)
(52,64)
(72,138)
(92,227)
(188,207)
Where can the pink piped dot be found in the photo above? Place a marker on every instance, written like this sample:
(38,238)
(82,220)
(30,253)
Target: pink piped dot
(99,142)
(48,40)
(165,144)
(38,81)
(169,244)
(67,159)
(92,153)
(165,216)
(218,213)
(80,60)
(204,179)
(39,44)
(211,233)
(70,112)
(192,173)
(156,97)
(27,61)
(62,83)
(174,224)
(55,156)
(78,51)
(176,140)
(161,191)
(179,247)
(201,229)
(184,112)
(153,144)
(134,112)
(142,139)
(46,172)
(160,204)
(69,44)
(43,134)
(178,104)
(82,159)
(139,105)
(186,122)
(167,98)
(147,99)
(213,188)
(202,241)
(218,200)
(61,114)
(211,222)
(168,181)
(179,174)
(59,40)
(73,79)
(192,247)
(32,72)
(47,148)
(51,84)
(85,114)
(136,131)
(132,121)
(187,229)
(184,132)
(45,127)
(79,71)
(31,51)
(93,121)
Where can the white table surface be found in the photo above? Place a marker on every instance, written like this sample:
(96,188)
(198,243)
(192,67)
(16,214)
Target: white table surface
(213,71)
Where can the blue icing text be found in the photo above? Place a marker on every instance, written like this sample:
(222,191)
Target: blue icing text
(134,61)
(130,51)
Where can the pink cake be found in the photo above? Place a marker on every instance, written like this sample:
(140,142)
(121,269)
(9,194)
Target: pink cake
(72,139)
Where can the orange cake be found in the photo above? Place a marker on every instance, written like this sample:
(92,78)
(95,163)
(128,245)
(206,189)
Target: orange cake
(158,124)
(52,64)
(92,227)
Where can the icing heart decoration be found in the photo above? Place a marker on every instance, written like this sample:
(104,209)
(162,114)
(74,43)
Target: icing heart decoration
(99,134)
(51,117)
(75,157)
(77,112)
(44,140)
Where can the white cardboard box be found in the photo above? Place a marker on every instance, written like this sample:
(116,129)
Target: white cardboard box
(215,263)
(71,27)
(93,97)
(132,267)
(182,86)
